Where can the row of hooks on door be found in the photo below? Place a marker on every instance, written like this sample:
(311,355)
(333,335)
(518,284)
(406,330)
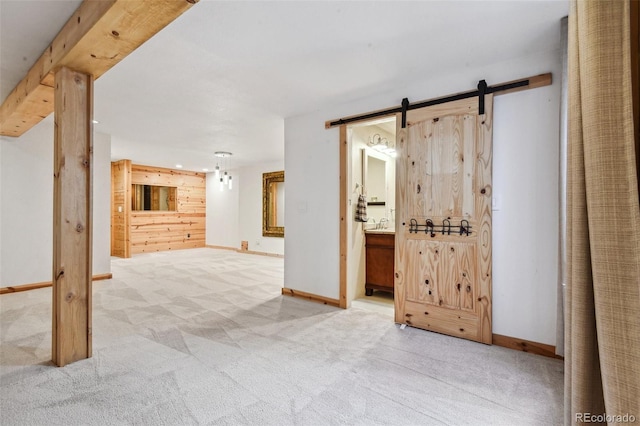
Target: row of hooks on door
(429,228)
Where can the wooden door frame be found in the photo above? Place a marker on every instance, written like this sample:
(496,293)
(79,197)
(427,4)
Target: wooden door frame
(345,159)
(344,191)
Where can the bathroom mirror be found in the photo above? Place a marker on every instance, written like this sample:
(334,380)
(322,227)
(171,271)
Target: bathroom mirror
(273,204)
(153,198)
(376,181)
(378,175)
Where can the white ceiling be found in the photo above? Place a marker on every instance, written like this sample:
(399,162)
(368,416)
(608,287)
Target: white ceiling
(226,73)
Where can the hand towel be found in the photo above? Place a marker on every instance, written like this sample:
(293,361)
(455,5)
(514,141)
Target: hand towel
(361,209)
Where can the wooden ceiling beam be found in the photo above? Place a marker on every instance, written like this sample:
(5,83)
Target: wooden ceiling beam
(98,35)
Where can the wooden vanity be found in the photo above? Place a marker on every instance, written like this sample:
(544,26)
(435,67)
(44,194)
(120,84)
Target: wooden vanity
(380,254)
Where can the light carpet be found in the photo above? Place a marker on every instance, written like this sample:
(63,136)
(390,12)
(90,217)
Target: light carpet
(203,336)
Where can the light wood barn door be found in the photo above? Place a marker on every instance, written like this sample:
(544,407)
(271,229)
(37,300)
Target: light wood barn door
(443,231)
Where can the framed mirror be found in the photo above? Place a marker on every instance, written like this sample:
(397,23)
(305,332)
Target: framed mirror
(273,204)
(375,181)
(378,175)
(153,198)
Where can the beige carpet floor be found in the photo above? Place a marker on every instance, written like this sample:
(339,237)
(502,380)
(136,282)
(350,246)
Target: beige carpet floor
(204,337)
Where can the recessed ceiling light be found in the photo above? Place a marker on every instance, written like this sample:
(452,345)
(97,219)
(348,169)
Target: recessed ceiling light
(205,170)
(95,121)
(179,166)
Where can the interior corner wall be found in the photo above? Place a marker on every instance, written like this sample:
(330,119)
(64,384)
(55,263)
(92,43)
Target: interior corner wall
(26,211)
(222,212)
(525,170)
(250,208)
(235,215)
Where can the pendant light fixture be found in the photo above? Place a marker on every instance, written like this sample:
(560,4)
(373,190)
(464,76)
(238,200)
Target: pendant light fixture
(222,173)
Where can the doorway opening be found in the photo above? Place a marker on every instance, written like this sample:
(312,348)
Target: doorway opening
(370,165)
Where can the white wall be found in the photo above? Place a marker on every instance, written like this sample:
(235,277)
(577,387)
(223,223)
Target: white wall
(26,218)
(223,212)
(27,206)
(526,216)
(526,128)
(251,208)
(236,215)
(101,203)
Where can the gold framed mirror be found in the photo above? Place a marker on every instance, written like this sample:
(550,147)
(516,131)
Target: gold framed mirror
(273,204)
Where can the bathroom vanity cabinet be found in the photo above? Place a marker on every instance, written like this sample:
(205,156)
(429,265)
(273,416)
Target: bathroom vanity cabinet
(380,252)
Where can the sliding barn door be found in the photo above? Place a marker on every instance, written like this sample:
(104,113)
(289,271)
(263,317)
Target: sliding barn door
(443,232)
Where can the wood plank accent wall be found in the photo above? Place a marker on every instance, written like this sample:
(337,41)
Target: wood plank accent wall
(161,230)
(120,197)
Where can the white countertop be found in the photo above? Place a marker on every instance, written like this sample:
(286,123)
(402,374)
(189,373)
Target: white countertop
(380,231)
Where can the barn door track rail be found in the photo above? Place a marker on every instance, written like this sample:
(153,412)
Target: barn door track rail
(482,90)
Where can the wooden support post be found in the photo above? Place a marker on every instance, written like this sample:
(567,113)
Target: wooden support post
(72,216)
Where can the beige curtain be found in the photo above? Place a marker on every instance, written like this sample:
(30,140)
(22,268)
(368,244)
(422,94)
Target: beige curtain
(602,327)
